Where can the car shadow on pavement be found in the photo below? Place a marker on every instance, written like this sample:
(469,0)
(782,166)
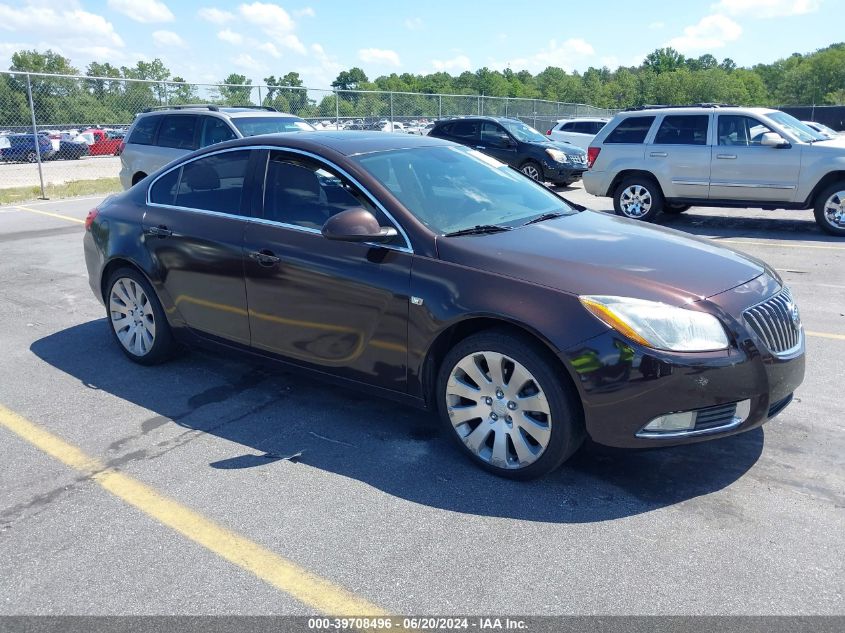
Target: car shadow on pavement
(272,415)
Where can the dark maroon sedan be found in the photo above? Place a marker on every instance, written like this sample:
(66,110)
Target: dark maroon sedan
(427,272)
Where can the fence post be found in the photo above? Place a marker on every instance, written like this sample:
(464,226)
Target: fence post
(336,109)
(479,105)
(506,106)
(35,136)
(391,110)
(259,96)
(535,114)
(439,106)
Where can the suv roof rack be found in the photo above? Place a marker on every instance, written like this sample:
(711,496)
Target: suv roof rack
(209,106)
(691,105)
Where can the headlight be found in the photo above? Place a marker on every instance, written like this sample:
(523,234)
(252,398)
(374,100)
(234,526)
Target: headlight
(557,155)
(659,325)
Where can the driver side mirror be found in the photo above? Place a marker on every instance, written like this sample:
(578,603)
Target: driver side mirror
(356,225)
(772,139)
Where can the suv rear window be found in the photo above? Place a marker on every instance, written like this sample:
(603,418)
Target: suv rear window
(145,130)
(683,130)
(177,130)
(631,130)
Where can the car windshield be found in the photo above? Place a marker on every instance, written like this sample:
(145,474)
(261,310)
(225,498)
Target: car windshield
(524,133)
(802,132)
(252,126)
(450,188)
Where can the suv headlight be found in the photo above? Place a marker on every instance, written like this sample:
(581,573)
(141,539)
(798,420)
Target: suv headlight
(557,155)
(659,325)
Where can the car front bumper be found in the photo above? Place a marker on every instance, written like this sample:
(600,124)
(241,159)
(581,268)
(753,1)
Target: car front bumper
(624,386)
(563,172)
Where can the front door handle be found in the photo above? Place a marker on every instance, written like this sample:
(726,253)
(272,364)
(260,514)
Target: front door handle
(158,231)
(726,156)
(659,154)
(480,147)
(265,257)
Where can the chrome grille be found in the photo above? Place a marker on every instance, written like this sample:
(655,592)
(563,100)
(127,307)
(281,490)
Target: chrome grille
(715,416)
(776,322)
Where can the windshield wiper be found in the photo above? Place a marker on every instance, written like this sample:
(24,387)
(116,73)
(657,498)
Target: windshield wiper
(479,229)
(544,217)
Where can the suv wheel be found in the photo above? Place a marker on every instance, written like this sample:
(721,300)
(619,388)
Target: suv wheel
(504,402)
(830,209)
(31,157)
(638,198)
(532,170)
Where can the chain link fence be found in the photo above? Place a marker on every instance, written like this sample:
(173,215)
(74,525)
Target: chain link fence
(60,129)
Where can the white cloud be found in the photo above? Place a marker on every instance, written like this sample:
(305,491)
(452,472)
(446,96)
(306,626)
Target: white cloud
(457,64)
(168,39)
(766,8)
(274,21)
(69,29)
(215,16)
(305,12)
(228,35)
(568,55)
(414,24)
(270,49)
(379,56)
(712,31)
(246,61)
(147,11)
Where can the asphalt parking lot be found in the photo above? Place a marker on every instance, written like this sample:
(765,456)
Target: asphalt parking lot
(220,487)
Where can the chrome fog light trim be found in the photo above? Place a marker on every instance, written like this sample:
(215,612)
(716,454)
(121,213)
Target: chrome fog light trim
(682,424)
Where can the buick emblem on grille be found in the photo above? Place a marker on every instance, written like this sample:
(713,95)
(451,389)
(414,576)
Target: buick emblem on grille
(794,315)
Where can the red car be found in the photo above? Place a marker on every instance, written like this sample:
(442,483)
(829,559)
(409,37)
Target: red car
(106,142)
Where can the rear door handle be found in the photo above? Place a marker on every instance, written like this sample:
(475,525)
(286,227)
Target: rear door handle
(658,154)
(726,156)
(265,257)
(158,231)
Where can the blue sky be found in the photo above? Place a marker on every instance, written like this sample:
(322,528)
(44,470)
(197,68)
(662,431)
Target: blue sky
(204,40)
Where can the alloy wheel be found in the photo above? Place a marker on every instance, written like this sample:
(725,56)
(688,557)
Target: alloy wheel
(635,201)
(498,409)
(531,171)
(132,316)
(834,210)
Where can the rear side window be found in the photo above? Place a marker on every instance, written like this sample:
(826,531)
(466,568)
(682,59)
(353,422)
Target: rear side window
(164,189)
(683,130)
(465,129)
(177,131)
(631,130)
(214,183)
(145,130)
(567,127)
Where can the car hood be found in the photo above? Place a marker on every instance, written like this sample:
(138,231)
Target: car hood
(599,254)
(563,146)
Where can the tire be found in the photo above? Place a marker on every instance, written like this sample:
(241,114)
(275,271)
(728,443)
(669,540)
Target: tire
(545,438)
(147,340)
(675,209)
(31,157)
(533,170)
(830,209)
(565,183)
(638,198)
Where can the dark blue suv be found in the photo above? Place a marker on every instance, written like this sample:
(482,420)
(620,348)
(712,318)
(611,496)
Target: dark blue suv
(518,145)
(21,147)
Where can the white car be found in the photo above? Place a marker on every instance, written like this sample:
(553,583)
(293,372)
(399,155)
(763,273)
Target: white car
(821,128)
(578,132)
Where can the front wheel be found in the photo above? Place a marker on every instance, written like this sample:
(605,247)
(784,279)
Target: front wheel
(532,170)
(830,209)
(506,404)
(136,318)
(638,198)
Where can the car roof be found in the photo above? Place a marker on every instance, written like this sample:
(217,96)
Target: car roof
(585,119)
(346,142)
(674,110)
(231,112)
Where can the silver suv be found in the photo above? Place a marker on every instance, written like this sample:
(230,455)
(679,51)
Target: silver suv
(160,135)
(669,158)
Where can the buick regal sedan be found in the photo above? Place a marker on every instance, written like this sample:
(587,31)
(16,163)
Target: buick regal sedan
(428,272)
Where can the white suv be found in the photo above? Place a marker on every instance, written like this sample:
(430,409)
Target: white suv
(667,159)
(160,135)
(578,132)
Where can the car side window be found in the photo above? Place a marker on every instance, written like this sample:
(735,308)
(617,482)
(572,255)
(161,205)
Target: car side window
(466,130)
(214,130)
(740,130)
(683,130)
(305,193)
(164,189)
(492,133)
(567,127)
(212,183)
(177,131)
(631,130)
(597,127)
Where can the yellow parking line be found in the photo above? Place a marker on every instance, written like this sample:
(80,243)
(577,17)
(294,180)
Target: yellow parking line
(52,215)
(784,244)
(318,593)
(836,337)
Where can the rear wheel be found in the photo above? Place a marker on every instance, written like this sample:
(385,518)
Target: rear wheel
(137,319)
(505,403)
(31,157)
(532,170)
(830,209)
(638,198)
(674,209)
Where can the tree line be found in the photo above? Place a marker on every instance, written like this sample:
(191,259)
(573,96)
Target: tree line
(664,77)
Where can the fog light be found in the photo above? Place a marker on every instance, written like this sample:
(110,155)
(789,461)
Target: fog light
(684,421)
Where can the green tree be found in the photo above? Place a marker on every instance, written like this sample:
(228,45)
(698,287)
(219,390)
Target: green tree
(664,60)
(235,90)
